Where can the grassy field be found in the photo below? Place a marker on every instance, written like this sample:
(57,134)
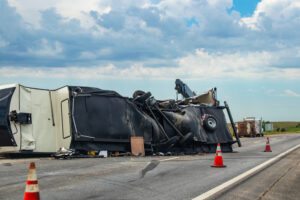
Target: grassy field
(280,128)
(284,127)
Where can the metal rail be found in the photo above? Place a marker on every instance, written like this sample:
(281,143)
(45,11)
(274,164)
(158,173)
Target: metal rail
(232,124)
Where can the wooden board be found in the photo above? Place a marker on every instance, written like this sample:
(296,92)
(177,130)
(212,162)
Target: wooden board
(137,146)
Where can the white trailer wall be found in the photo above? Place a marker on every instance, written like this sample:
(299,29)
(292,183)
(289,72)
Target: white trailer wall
(51,126)
(61,105)
(50,115)
(40,135)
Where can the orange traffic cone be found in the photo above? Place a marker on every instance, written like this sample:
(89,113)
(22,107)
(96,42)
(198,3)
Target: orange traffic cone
(32,191)
(268,147)
(218,158)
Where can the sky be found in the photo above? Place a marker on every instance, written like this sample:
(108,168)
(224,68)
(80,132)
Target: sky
(248,49)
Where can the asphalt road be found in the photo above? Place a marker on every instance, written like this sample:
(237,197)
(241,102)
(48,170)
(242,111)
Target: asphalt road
(280,181)
(182,177)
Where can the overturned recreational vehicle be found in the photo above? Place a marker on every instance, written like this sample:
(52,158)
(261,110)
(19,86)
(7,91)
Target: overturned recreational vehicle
(86,118)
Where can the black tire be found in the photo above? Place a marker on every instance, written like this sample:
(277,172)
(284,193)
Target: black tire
(138,93)
(143,97)
(210,123)
(188,137)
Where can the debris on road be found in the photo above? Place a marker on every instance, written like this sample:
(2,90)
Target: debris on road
(64,153)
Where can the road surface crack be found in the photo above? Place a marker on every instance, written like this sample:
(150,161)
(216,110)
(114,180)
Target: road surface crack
(275,182)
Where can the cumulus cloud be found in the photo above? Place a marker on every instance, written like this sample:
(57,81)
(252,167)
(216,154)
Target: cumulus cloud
(199,65)
(30,10)
(150,39)
(273,15)
(290,93)
(46,49)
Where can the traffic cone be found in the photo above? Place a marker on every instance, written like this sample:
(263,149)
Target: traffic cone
(32,191)
(268,147)
(218,158)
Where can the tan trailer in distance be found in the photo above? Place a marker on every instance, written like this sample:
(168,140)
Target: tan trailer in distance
(250,127)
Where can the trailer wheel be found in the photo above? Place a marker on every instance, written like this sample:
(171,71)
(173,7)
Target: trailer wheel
(210,123)
(186,138)
(138,93)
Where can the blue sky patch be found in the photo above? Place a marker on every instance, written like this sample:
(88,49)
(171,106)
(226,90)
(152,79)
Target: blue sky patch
(245,7)
(189,22)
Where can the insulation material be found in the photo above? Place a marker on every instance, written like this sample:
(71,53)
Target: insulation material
(206,98)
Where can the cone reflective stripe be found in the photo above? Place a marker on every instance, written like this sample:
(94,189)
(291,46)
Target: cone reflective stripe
(218,158)
(32,191)
(268,147)
(219,153)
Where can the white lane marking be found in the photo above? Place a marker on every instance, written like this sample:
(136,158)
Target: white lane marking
(243,175)
(17,160)
(168,159)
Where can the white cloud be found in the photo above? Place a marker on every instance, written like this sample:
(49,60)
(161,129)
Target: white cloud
(274,14)
(199,65)
(144,33)
(46,49)
(189,8)
(30,10)
(290,93)
(254,65)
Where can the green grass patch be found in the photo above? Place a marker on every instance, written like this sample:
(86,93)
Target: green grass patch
(279,128)
(276,133)
(284,128)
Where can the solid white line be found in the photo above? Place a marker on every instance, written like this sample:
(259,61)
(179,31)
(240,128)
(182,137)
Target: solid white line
(168,159)
(243,175)
(17,160)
